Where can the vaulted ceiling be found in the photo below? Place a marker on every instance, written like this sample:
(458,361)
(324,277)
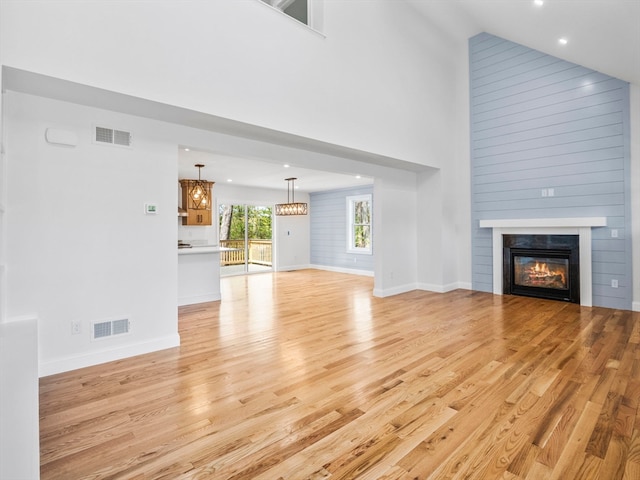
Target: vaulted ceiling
(603,35)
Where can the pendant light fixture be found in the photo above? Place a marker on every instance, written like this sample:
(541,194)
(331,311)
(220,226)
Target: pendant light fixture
(199,192)
(291,207)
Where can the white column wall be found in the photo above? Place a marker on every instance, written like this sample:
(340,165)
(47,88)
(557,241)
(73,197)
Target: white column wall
(634,99)
(430,240)
(395,203)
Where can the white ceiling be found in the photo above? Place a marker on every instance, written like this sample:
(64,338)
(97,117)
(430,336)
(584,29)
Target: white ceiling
(260,173)
(603,35)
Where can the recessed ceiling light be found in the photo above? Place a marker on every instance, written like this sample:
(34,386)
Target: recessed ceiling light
(538,3)
(186,149)
(229,180)
(563,41)
(286,165)
(358,176)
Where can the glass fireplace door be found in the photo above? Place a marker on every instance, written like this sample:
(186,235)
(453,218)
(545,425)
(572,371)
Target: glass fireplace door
(541,272)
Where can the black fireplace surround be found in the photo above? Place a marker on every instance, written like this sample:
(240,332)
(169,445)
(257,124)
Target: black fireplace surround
(560,250)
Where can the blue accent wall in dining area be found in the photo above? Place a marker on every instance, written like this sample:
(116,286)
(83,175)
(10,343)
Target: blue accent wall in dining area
(328,212)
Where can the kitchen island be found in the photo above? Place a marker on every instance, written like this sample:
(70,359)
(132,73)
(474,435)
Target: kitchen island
(199,274)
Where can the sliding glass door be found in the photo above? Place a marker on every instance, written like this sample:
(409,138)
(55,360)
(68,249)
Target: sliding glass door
(246,239)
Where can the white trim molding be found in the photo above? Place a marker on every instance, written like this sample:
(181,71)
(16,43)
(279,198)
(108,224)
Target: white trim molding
(73,362)
(545,222)
(388,292)
(351,271)
(547,226)
(432,287)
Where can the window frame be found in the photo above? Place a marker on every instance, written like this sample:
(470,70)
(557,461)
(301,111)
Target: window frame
(351,201)
(315,14)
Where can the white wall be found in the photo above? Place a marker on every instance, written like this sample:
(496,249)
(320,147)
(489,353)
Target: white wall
(430,241)
(358,86)
(3,202)
(458,184)
(395,235)
(634,114)
(79,246)
(19,404)
(293,242)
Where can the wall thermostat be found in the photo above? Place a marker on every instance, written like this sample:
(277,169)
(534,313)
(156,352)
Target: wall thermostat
(150,208)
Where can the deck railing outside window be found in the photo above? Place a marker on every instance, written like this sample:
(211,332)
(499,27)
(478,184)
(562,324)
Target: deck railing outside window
(259,252)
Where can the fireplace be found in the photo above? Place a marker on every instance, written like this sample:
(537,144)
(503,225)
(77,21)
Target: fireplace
(544,266)
(579,226)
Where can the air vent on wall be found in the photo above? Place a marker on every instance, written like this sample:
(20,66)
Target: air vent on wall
(111,136)
(110,328)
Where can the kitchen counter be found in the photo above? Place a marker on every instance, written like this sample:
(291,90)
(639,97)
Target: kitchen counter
(199,274)
(200,249)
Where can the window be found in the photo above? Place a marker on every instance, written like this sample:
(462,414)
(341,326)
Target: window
(294,8)
(307,12)
(359,224)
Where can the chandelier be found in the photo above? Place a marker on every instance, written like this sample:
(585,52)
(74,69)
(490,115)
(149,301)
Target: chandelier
(199,192)
(291,207)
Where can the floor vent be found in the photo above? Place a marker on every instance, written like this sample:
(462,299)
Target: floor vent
(110,328)
(112,137)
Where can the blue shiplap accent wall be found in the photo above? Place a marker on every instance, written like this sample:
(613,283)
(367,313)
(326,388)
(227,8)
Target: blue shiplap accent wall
(538,122)
(328,212)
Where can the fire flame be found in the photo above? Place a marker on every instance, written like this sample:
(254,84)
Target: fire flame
(541,270)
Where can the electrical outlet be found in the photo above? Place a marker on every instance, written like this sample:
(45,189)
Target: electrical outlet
(551,192)
(75,327)
(614,283)
(614,233)
(544,192)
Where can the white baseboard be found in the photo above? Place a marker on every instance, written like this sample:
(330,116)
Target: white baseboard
(213,297)
(388,292)
(291,268)
(635,306)
(432,287)
(119,352)
(352,271)
(429,287)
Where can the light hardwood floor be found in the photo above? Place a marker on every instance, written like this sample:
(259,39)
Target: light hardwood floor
(305,375)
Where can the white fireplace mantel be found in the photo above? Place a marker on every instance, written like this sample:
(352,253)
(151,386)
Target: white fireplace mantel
(580,226)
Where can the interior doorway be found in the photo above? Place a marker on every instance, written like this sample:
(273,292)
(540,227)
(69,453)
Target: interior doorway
(246,237)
